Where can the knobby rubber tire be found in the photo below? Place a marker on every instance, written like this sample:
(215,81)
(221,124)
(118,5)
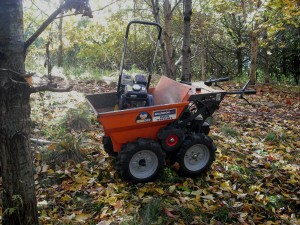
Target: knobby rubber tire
(131,151)
(199,144)
(108,146)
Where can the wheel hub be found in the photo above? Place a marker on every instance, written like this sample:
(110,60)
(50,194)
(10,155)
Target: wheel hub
(196,157)
(172,140)
(143,164)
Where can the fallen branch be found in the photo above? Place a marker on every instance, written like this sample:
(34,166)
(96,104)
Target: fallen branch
(51,87)
(40,141)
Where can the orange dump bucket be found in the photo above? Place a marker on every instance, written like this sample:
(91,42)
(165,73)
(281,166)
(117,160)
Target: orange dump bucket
(123,126)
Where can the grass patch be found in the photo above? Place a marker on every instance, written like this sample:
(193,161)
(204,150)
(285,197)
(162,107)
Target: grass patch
(271,137)
(188,214)
(223,214)
(76,119)
(169,176)
(151,213)
(229,131)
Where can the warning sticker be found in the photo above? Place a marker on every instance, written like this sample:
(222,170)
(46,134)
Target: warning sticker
(161,115)
(143,117)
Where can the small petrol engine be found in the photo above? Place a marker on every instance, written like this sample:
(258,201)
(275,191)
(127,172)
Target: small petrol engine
(134,92)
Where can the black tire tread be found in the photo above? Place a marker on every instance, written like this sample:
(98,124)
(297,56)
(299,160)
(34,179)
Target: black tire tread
(130,149)
(190,141)
(108,146)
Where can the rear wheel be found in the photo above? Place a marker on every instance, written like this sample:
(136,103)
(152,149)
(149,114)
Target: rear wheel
(141,161)
(170,138)
(196,155)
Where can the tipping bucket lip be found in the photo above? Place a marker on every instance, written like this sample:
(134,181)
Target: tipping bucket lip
(104,102)
(124,126)
(116,120)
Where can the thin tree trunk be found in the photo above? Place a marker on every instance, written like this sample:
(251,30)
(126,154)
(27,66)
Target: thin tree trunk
(254,53)
(168,40)
(296,60)
(266,58)
(203,59)
(284,58)
(186,49)
(19,200)
(266,67)
(60,36)
(239,57)
(202,50)
(155,12)
(254,42)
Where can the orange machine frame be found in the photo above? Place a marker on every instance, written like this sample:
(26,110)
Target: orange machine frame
(123,126)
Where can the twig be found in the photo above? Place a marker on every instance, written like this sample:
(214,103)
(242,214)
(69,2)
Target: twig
(51,87)
(40,141)
(29,74)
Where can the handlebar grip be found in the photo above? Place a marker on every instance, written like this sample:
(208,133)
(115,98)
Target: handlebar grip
(211,81)
(222,79)
(250,92)
(208,83)
(185,82)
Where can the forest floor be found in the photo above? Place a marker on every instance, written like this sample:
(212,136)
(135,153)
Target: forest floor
(254,180)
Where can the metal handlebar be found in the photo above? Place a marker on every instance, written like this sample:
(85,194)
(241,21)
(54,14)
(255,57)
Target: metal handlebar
(250,92)
(211,81)
(247,92)
(145,23)
(125,46)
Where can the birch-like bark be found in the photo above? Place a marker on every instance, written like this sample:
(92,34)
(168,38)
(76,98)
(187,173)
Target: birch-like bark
(186,49)
(168,40)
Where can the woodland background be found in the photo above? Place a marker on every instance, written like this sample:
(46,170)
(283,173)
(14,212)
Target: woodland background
(222,34)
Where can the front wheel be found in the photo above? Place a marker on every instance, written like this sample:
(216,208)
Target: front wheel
(141,161)
(196,155)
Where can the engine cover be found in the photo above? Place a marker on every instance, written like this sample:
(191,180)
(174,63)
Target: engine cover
(135,94)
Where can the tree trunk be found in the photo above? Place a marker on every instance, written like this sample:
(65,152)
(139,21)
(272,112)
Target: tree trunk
(254,52)
(168,40)
(60,36)
(266,67)
(239,57)
(203,59)
(19,200)
(254,33)
(186,45)
(155,12)
(267,62)
(284,57)
(202,54)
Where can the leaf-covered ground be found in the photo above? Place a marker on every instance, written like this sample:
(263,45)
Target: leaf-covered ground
(254,180)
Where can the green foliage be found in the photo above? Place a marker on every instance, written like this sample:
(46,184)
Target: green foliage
(151,212)
(220,33)
(224,214)
(169,176)
(271,137)
(188,214)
